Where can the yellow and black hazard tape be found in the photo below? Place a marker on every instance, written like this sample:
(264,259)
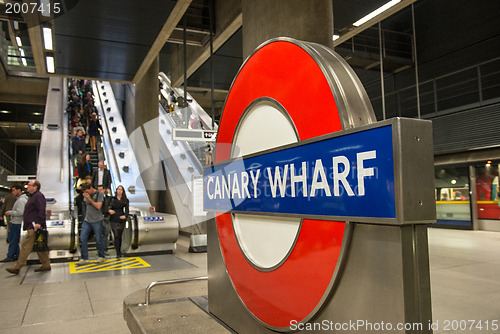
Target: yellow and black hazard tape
(122,263)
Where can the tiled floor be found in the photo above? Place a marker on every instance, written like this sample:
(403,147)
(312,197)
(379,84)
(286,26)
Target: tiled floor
(60,302)
(465,278)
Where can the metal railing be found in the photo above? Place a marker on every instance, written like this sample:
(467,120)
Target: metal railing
(172,281)
(470,86)
(9,164)
(394,43)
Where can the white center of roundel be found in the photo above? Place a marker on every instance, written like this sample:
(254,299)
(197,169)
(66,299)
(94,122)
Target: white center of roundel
(265,240)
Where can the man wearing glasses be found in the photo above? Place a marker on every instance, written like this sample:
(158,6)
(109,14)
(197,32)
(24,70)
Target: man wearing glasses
(34,218)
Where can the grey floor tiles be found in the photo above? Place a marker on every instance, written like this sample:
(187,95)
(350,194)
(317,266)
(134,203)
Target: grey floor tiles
(465,280)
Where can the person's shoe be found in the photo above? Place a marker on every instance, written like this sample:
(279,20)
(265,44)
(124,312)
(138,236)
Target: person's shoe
(13,270)
(82,261)
(7,259)
(99,260)
(37,270)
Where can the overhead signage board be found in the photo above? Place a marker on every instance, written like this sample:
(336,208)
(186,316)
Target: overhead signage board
(194,135)
(353,175)
(20,178)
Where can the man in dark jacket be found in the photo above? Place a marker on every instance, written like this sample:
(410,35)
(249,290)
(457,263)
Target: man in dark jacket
(101,177)
(33,219)
(78,144)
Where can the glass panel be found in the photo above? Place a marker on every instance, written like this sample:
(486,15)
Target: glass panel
(452,196)
(487,191)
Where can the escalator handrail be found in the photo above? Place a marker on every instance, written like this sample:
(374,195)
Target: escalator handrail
(135,230)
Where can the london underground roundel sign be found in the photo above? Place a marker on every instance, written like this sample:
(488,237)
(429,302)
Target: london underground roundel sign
(284,268)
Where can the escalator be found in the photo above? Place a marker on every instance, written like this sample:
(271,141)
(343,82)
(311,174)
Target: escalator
(182,161)
(55,173)
(181,168)
(145,231)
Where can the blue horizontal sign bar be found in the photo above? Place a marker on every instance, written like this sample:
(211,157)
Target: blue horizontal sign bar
(336,176)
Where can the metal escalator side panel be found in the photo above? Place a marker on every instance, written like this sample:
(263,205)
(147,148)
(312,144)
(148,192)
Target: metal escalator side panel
(124,170)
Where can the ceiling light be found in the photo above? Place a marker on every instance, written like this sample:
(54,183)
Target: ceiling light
(47,38)
(375,13)
(335,37)
(453,181)
(18,41)
(50,64)
(21,51)
(45,4)
(23,60)
(16,25)
(4,111)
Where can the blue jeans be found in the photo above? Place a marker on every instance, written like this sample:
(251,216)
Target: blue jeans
(84,237)
(13,240)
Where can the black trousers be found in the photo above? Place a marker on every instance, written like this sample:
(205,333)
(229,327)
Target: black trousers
(117,237)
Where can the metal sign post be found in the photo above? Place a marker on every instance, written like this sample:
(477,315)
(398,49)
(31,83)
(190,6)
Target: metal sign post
(321,212)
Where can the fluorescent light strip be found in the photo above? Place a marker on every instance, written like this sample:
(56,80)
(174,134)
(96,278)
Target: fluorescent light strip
(375,13)
(45,4)
(23,60)
(50,64)
(18,41)
(47,38)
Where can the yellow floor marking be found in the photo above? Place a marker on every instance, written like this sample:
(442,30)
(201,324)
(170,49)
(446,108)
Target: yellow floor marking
(108,265)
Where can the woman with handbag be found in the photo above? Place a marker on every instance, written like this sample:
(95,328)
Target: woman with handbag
(118,210)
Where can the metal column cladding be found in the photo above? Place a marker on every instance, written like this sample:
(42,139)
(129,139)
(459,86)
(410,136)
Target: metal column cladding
(287,150)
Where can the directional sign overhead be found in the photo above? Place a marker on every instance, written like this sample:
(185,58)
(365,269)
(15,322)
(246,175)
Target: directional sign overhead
(194,135)
(20,178)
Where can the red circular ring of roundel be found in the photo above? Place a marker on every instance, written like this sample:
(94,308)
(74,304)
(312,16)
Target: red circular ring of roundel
(285,72)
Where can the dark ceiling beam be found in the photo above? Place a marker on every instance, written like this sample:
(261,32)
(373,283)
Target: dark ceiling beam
(35,34)
(23,90)
(173,19)
(9,16)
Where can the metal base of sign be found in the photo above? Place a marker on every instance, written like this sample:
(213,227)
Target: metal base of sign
(385,283)
(198,243)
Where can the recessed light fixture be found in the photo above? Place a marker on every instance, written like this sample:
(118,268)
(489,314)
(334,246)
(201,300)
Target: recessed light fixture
(47,38)
(50,64)
(376,12)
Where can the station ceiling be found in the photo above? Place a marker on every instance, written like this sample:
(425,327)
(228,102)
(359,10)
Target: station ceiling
(116,39)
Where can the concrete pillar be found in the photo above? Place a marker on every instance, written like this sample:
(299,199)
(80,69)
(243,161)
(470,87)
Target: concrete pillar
(310,21)
(145,138)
